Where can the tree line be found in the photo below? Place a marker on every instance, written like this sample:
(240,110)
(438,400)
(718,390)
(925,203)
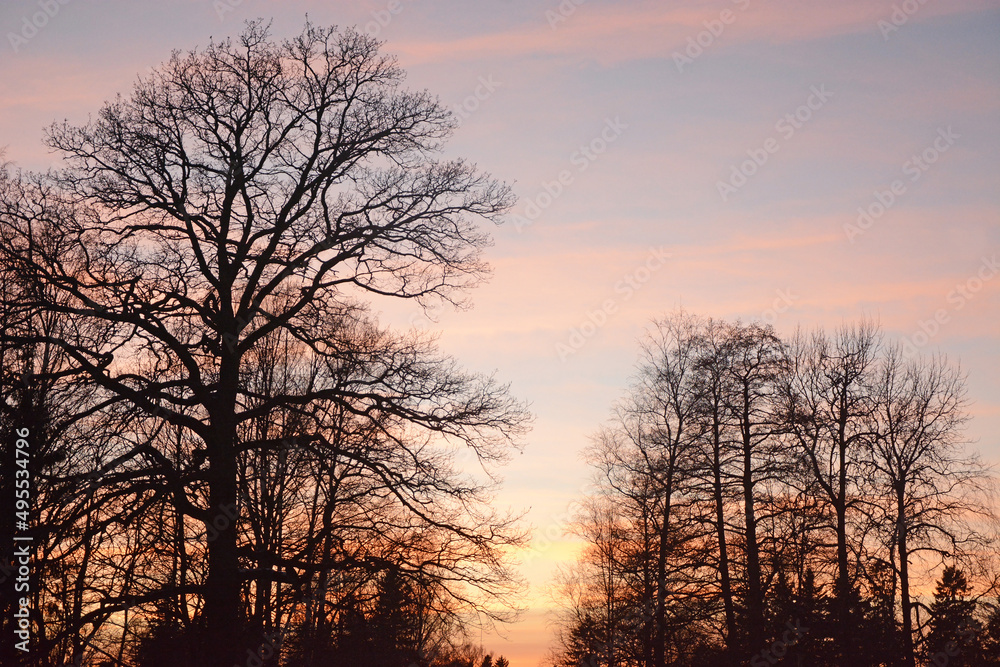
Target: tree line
(232,461)
(763,501)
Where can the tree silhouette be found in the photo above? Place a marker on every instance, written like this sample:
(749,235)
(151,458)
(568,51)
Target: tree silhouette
(830,411)
(953,630)
(257,190)
(784,470)
(925,476)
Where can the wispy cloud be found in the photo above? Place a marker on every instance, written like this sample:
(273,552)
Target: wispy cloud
(612,33)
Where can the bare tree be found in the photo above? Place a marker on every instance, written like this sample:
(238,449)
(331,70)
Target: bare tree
(757,367)
(714,387)
(647,460)
(251,188)
(663,432)
(931,487)
(771,495)
(830,413)
(44,397)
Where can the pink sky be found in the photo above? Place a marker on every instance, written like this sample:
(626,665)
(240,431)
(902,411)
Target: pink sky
(777,243)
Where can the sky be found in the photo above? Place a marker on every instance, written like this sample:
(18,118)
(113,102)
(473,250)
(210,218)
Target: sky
(806,164)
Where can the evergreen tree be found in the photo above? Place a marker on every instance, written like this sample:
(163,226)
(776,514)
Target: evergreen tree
(954,633)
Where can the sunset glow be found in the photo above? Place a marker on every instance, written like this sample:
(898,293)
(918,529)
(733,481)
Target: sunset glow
(799,164)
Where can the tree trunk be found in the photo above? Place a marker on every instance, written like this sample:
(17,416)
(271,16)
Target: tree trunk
(660,645)
(648,595)
(904,581)
(843,577)
(223,618)
(720,528)
(755,602)
(844,633)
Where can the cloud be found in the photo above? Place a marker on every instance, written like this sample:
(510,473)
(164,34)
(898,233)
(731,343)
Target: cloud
(612,33)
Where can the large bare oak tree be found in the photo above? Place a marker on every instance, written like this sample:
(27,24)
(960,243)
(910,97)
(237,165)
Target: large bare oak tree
(253,189)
